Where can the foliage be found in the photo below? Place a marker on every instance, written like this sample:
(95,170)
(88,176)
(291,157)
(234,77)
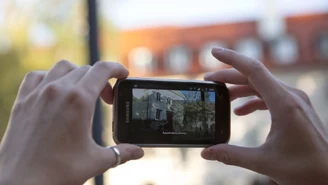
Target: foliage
(68,30)
(194,109)
(10,76)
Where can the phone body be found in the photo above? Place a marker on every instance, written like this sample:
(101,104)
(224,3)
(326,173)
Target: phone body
(170,113)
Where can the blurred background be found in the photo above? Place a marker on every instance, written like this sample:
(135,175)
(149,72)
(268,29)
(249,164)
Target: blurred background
(171,39)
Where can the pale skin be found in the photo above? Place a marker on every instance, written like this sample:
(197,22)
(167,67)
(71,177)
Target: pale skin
(48,140)
(296,149)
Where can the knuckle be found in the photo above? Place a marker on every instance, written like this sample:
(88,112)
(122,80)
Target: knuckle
(257,66)
(303,95)
(108,66)
(292,106)
(226,158)
(101,64)
(230,52)
(32,75)
(64,64)
(52,90)
(76,97)
(86,67)
(18,106)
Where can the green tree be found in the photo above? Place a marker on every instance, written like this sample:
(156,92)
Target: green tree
(194,109)
(24,55)
(66,21)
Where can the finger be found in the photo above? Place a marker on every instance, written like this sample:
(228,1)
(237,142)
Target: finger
(75,75)
(97,77)
(107,157)
(239,91)
(230,75)
(107,94)
(249,158)
(257,74)
(30,82)
(250,106)
(60,69)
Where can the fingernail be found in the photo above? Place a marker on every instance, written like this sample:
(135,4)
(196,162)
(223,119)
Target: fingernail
(217,49)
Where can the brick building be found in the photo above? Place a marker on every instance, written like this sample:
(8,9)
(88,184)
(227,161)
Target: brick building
(186,50)
(297,56)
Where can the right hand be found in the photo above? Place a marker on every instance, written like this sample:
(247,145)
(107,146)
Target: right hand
(296,148)
(49,136)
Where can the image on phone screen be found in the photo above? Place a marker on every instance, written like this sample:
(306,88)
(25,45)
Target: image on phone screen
(158,113)
(184,115)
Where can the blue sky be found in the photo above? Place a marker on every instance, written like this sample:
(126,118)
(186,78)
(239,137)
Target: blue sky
(131,14)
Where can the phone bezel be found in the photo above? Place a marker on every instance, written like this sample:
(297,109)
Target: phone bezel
(119,125)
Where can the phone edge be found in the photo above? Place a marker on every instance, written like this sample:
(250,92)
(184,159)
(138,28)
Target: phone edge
(115,121)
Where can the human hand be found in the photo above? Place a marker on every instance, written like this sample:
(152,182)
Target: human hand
(296,148)
(49,140)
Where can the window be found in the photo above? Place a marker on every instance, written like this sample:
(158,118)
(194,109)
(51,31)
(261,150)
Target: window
(41,35)
(158,96)
(323,46)
(158,114)
(285,50)
(169,101)
(142,60)
(250,47)
(178,59)
(206,59)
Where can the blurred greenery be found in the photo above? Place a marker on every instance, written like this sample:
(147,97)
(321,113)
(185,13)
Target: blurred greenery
(11,74)
(23,54)
(62,35)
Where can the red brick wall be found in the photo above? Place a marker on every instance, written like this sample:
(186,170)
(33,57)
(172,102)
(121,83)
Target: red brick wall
(304,28)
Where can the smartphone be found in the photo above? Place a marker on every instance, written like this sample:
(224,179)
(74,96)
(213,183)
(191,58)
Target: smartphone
(170,113)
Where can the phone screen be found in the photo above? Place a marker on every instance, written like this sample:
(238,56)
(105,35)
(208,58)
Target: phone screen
(173,113)
(183,115)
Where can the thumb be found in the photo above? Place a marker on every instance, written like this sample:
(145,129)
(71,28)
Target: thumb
(249,158)
(107,158)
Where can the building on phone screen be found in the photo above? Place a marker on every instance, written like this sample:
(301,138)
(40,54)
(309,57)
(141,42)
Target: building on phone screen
(173,110)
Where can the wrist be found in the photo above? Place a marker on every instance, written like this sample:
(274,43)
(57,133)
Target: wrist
(8,181)
(14,180)
(8,176)
(315,173)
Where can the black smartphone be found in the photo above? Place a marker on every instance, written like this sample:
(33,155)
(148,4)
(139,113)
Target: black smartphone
(170,113)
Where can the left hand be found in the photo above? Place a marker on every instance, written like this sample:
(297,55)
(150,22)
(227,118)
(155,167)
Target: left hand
(296,148)
(49,140)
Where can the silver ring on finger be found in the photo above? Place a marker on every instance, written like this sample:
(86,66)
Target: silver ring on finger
(117,155)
